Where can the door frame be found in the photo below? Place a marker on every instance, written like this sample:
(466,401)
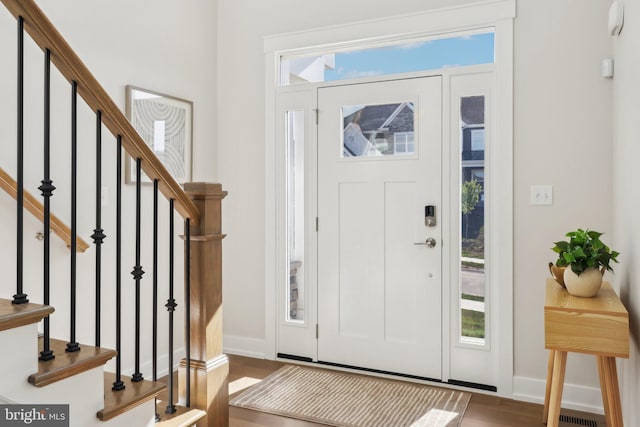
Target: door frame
(497,14)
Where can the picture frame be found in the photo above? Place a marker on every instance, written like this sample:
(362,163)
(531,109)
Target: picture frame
(165,123)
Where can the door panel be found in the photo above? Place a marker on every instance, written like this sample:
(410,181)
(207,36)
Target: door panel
(379,165)
(356,275)
(400,273)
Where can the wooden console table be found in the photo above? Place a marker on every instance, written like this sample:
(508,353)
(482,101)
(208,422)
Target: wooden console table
(598,326)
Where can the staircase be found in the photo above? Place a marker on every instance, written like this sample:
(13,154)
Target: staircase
(77,326)
(77,389)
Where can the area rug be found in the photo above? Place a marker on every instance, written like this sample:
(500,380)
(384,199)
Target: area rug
(349,400)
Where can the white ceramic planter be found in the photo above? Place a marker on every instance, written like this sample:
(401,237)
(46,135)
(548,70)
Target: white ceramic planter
(585,285)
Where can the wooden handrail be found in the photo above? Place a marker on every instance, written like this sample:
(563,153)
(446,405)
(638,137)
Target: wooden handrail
(33,205)
(45,35)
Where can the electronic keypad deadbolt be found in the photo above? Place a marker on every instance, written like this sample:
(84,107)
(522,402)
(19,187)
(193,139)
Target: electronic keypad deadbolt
(430,216)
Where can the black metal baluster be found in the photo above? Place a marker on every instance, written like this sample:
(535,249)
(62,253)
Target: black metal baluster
(20,297)
(118,384)
(155,286)
(98,233)
(47,191)
(187,298)
(155,280)
(137,272)
(72,345)
(171,307)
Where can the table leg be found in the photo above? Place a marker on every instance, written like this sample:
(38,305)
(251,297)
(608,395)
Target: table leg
(557,383)
(613,392)
(602,371)
(547,393)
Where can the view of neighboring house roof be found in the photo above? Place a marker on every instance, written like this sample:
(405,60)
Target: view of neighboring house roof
(472,110)
(389,117)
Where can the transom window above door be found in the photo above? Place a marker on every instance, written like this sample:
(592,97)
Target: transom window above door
(417,54)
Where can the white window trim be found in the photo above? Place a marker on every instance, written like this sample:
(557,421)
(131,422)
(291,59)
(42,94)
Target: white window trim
(496,13)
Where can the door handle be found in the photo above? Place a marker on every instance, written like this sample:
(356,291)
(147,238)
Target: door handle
(430,242)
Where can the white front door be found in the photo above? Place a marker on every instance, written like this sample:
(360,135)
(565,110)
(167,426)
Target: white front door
(379,171)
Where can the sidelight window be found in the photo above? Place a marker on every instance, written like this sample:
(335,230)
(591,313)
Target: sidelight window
(472,202)
(295,216)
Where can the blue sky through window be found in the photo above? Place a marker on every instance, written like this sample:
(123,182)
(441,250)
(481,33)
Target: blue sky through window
(417,56)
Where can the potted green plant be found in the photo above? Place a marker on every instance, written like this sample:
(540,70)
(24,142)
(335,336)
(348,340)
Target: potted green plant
(586,258)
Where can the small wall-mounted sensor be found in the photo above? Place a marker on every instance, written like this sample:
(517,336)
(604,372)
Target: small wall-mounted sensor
(607,68)
(616,17)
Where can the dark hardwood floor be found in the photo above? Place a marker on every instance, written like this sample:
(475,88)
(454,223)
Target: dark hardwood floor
(483,410)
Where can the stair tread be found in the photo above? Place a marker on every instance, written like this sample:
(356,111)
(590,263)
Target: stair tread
(182,417)
(134,394)
(15,315)
(68,364)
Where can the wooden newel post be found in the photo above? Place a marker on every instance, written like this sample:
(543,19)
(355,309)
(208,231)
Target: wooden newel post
(209,366)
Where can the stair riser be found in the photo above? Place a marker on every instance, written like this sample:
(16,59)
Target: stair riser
(20,359)
(83,392)
(138,416)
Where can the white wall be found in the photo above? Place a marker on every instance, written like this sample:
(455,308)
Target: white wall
(626,194)
(166,46)
(562,137)
(562,134)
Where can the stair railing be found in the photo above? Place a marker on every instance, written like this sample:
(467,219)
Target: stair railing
(37,209)
(204,370)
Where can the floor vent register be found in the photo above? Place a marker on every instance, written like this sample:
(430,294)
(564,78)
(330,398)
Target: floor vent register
(576,421)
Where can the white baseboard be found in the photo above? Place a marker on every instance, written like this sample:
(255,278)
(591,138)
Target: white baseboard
(243,346)
(576,397)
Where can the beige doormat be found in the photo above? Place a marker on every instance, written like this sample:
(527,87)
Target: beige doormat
(342,399)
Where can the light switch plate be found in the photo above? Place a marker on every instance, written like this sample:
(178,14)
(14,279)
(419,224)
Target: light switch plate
(541,194)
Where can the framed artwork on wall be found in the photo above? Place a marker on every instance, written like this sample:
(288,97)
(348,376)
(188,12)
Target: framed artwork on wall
(165,123)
